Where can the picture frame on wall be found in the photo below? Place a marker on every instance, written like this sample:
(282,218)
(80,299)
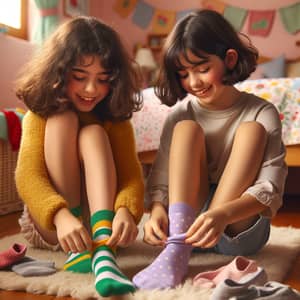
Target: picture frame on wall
(74,8)
(155,41)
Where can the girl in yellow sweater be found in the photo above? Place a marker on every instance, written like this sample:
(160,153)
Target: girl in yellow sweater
(78,153)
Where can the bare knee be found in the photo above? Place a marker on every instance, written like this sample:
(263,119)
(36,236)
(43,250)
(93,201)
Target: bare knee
(188,128)
(252,128)
(63,122)
(252,131)
(91,132)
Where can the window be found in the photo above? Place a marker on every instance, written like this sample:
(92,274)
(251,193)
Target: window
(13,17)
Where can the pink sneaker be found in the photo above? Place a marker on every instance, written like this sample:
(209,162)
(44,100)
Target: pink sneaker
(235,270)
(12,255)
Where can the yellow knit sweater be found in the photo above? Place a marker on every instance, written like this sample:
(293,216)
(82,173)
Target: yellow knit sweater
(36,190)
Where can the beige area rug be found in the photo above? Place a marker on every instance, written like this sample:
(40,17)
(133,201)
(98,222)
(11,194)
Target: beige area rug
(276,257)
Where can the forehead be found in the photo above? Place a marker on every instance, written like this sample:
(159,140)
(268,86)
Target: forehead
(89,60)
(189,59)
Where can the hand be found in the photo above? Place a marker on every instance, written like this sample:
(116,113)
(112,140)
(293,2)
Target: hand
(124,229)
(71,233)
(156,228)
(207,229)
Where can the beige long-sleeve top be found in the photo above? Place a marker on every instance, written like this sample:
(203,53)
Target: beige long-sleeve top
(219,128)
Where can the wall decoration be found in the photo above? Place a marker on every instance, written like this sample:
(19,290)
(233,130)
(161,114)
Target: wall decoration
(236,16)
(143,14)
(290,17)
(163,21)
(73,8)
(125,7)
(260,22)
(216,5)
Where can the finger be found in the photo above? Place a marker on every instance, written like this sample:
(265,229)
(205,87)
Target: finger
(114,238)
(124,237)
(71,245)
(152,239)
(194,227)
(207,239)
(87,241)
(159,233)
(198,234)
(64,246)
(79,244)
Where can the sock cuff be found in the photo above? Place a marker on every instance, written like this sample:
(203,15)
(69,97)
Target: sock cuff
(102,215)
(76,211)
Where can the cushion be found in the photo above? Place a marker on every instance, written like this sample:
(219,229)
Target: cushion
(274,68)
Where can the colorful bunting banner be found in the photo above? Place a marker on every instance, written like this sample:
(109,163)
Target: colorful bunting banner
(163,21)
(216,5)
(124,7)
(260,22)
(236,16)
(143,14)
(290,17)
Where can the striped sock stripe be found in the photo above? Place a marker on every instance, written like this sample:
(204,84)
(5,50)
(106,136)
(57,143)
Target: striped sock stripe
(109,279)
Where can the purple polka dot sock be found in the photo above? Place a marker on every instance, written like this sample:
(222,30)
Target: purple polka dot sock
(170,267)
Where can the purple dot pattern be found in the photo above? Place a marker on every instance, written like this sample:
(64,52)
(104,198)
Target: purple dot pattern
(170,267)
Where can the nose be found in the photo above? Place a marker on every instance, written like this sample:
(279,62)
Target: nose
(90,86)
(195,80)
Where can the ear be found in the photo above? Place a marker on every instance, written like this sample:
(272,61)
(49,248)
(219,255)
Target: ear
(231,58)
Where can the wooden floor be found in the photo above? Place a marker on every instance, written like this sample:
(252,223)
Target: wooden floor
(289,215)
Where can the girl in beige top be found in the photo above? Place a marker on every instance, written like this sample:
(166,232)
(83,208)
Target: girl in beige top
(219,174)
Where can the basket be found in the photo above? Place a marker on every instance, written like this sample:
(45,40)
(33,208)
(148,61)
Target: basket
(9,199)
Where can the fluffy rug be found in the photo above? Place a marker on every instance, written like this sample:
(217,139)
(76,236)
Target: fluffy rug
(276,257)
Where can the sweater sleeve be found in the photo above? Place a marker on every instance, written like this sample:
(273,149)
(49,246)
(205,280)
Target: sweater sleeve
(269,185)
(130,188)
(32,181)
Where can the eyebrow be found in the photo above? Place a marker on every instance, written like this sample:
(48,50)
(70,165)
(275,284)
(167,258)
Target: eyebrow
(194,64)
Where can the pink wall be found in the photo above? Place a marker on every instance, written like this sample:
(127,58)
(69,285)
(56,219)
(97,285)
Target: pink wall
(278,42)
(15,52)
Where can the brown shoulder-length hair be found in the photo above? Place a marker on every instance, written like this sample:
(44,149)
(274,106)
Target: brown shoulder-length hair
(204,32)
(41,84)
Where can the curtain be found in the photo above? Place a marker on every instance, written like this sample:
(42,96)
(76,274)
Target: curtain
(48,19)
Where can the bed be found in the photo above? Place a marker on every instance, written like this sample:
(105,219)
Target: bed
(283,92)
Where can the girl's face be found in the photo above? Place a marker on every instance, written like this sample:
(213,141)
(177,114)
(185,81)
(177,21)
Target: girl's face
(87,83)
(204,80)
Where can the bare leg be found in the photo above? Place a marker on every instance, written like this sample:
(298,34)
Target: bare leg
(241,169)
(99,168)
(188,177)
(188,180)
(62,161)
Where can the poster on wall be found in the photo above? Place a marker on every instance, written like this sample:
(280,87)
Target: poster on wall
(74,8)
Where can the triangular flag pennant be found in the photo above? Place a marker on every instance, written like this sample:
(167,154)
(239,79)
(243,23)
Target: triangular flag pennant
(124,7)
(143,14)
(290,17)
(261,22)
(163,21)
(236,16)
(216,5)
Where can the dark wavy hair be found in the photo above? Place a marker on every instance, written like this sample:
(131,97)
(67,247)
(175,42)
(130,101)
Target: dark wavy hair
(41,84)
(203,32)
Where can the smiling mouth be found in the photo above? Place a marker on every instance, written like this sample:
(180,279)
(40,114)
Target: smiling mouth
(202,92)
(87,99)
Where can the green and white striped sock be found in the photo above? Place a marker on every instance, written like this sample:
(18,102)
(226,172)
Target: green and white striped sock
(109,279)
(78,262)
